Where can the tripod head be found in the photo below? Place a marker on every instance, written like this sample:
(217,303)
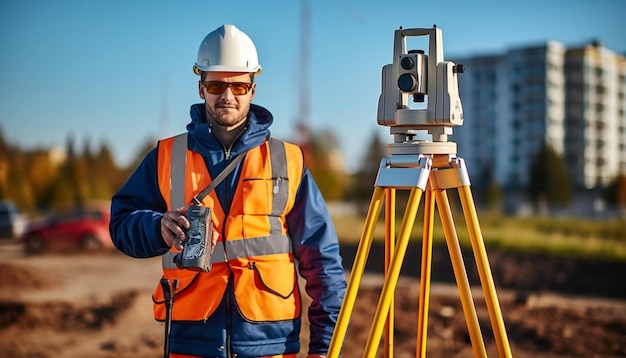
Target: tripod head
(428,78)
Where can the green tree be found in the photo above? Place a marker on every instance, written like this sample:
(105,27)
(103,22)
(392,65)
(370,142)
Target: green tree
(13,184)
(5,166)
(102,173)
(549,179)
(615,192)
(39,174)
(71,185)
(325,167)
(41,180)
(493,194)
(362,183)
(18,189)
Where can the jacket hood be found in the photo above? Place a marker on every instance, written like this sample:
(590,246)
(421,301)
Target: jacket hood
(257,130)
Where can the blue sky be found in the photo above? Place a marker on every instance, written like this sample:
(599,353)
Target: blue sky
(120,71)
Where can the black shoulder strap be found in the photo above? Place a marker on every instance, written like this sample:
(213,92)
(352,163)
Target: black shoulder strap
(221,176)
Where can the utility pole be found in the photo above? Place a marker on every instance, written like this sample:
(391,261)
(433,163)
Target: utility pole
(164,109)
(303,133)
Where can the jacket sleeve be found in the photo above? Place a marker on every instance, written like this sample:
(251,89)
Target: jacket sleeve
(316,247)
(136,212)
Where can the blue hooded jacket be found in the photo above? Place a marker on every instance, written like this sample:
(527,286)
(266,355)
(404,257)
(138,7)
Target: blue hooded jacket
(136,212)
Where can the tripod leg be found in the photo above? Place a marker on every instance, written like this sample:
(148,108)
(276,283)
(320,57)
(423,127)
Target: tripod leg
(391,279)
(427,251)
(460,274)
(390,241)
(484,272)
(356,274)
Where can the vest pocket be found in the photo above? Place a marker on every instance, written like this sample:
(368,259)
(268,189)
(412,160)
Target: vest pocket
(257,196)
(197,296)
(267,291)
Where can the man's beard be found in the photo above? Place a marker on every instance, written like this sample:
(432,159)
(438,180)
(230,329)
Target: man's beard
(226,119)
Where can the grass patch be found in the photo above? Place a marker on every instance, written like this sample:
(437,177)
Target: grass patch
(565,237)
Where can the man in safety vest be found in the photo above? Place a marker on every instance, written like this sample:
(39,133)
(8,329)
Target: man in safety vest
(269,221)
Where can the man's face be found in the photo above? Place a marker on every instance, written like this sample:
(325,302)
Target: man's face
(226,109)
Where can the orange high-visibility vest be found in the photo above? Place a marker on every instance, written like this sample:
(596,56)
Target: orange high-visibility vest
(254,244)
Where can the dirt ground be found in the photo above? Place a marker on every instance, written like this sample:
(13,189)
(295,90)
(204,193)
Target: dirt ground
(99,305)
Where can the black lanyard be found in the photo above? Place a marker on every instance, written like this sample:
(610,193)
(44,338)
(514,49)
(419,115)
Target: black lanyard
(197,199)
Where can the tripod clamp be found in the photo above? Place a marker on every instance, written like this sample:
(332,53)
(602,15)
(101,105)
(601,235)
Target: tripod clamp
(407,170)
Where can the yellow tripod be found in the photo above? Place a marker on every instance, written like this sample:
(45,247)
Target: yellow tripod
(431,174)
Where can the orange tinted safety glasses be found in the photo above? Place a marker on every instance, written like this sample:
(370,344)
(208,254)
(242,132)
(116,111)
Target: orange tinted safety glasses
(218,87)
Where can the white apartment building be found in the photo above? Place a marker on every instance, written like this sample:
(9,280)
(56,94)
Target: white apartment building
(571,99)
(596,122)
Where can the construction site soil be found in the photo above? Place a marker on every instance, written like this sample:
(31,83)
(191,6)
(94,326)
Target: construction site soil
(99,305)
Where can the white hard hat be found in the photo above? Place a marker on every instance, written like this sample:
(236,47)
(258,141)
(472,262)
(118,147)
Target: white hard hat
(227,49)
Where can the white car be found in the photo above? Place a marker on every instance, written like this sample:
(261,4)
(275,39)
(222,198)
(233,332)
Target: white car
(12,223)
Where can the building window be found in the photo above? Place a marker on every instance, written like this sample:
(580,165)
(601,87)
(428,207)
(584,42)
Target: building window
(599,71)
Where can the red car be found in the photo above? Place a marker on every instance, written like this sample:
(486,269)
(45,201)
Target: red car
(84,228)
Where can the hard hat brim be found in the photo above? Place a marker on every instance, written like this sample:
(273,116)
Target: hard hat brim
(199,69)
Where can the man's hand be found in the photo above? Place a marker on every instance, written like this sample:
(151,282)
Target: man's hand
(316,355)
(173,227)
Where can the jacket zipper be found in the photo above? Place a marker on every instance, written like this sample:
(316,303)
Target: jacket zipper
(230,147)
(230,288)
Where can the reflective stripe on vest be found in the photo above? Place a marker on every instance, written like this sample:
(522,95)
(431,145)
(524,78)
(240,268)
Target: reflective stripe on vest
(177,171)
(275,243)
